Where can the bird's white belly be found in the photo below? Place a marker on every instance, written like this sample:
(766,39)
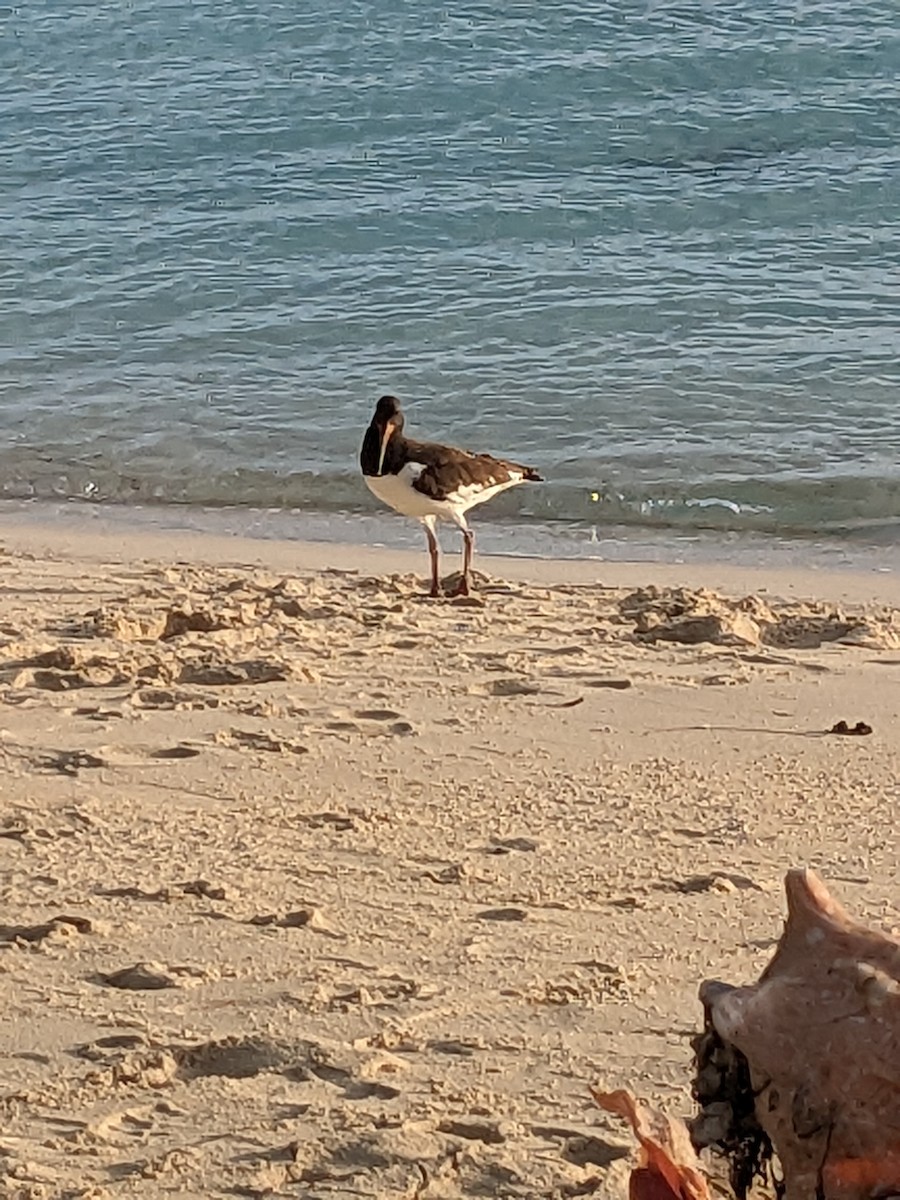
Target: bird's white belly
(398,492)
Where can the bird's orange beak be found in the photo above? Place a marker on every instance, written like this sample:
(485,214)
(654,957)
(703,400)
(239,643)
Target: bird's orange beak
(385,438)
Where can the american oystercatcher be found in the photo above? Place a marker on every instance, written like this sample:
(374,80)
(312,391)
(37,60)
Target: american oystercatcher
(431,482)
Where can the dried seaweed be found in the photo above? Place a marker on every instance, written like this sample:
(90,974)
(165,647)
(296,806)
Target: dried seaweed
(727,1120)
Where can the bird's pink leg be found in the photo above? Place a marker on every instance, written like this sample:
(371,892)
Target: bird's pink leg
(434,552)
(462,588)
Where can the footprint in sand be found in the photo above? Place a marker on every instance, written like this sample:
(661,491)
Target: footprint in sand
(108,1049)
(385,720)
(342,822)
(166,700)
(234,674)
(394,721)
(94,713)
(233,1058)
(300,1061)
(72,762)
(56,928)
(475,1129)
(182,751)
(248,739)
(507,845)
(506,687)
(716,881)
(153,976)
(61,762)
(64,681)
(137,756)
(302,918)
(502,914)
(164,895)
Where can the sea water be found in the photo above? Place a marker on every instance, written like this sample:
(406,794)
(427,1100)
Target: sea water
(652,249)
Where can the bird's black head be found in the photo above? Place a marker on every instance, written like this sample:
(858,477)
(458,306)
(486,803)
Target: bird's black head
(388,409)
(383,435)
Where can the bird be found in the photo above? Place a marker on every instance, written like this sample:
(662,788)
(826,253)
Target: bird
(432,482)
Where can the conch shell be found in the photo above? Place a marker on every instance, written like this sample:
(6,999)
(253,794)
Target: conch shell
(820,1033)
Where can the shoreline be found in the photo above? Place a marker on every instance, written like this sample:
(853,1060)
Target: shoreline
(836,571)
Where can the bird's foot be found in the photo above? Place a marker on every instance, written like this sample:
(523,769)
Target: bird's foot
(461,589)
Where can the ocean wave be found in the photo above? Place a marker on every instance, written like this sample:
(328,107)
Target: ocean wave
(802,507)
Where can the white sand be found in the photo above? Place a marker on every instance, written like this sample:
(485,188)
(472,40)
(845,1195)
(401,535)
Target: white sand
(413,874)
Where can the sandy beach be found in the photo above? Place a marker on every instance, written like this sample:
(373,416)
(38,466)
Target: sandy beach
(315,887)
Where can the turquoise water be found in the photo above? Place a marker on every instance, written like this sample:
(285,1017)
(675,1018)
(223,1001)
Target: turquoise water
(652,248)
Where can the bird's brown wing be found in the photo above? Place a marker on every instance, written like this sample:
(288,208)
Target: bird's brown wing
(447,469)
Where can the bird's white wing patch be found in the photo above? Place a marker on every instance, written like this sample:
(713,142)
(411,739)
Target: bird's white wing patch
(467,495)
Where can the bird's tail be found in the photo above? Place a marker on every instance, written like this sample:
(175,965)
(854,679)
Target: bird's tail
(532,476)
